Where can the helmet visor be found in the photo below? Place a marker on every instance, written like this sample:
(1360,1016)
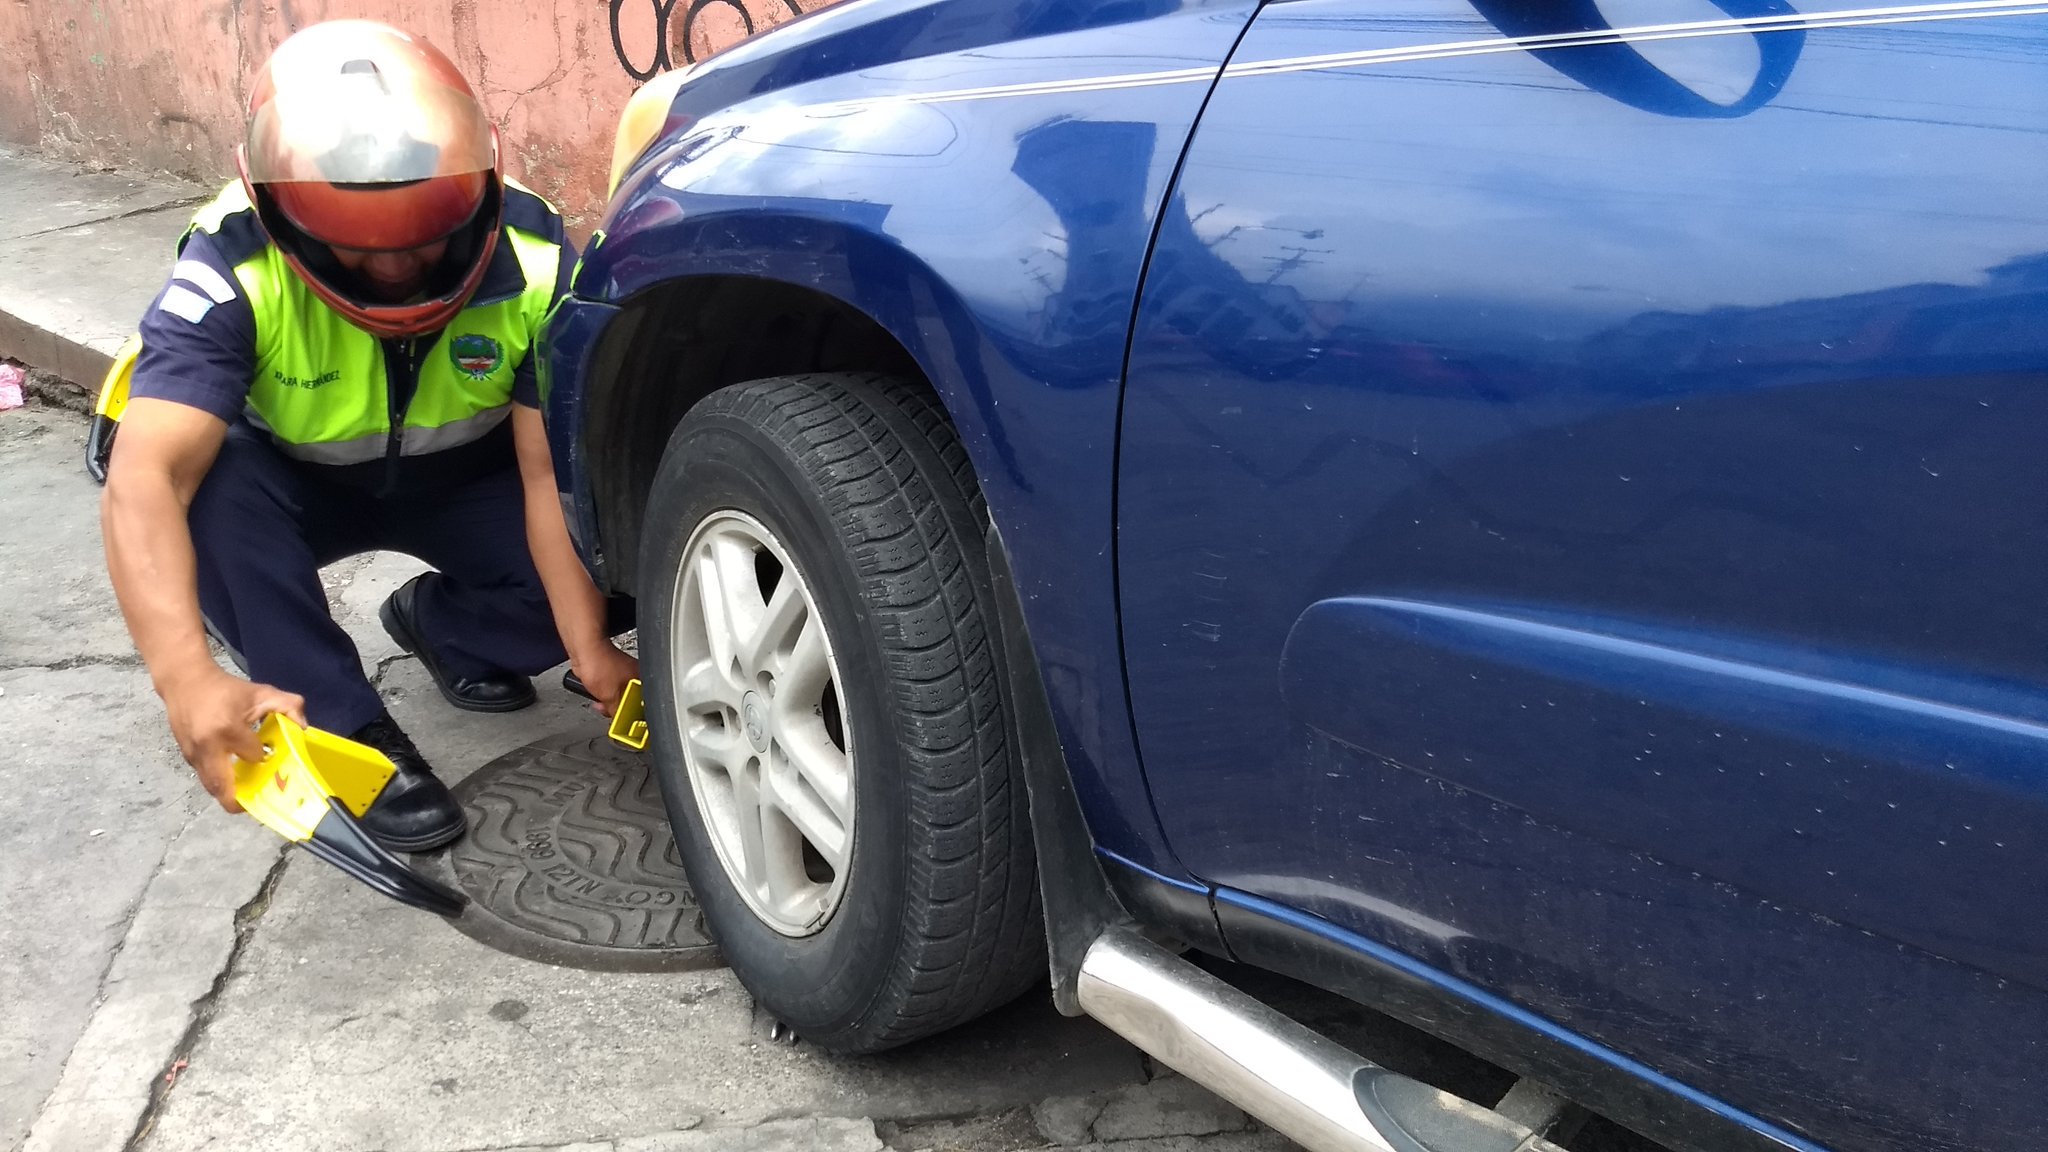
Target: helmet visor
(359,123)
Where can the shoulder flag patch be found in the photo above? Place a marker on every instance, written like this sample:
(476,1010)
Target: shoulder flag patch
(185,304)
(205,279)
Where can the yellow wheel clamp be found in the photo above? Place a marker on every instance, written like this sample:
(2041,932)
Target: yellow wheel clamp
(310,787)
(629,721)
(106,414)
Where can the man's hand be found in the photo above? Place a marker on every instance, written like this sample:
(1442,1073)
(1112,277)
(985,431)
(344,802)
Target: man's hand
(214,717)
(604,671)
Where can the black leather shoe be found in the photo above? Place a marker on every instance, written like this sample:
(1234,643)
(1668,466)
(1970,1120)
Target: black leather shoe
(415,812)
(506,693)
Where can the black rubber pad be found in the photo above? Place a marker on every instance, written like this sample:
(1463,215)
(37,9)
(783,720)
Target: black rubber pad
(569,861)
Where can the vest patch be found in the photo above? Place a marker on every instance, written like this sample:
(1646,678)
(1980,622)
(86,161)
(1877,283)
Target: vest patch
(475,356)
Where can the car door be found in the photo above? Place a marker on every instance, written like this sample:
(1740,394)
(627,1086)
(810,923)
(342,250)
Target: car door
(1583,525)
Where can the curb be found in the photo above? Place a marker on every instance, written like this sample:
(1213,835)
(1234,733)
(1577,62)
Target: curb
(59,366)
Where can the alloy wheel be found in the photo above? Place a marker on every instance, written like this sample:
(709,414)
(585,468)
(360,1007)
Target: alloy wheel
(763,733)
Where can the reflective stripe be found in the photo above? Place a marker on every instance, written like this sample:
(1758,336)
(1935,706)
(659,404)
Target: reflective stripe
(185,304)
(360,450)
(420,441)
(195,273)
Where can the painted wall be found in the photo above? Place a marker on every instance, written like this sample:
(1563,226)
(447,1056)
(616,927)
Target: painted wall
(161,84)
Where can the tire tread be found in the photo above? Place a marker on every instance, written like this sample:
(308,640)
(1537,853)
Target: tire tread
(901,495)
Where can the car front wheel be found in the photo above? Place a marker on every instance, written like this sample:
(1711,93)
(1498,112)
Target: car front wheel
(818,642)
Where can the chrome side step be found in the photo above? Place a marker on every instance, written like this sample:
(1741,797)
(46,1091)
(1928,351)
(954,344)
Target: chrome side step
(1306,1086)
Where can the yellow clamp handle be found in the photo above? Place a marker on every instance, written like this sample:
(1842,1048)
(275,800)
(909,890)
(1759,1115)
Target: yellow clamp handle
(629,720)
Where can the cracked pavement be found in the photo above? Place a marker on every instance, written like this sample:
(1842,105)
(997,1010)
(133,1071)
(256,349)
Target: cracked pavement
(189,984)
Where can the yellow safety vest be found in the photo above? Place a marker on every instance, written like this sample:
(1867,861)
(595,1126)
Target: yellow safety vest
(321,385)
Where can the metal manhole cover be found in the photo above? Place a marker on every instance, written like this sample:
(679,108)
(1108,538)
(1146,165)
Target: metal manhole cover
(569,860)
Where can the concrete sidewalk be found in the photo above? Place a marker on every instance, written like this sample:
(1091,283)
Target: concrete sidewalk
(178,981)
(82,253)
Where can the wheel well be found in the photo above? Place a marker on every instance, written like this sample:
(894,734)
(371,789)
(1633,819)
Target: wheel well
(677,343)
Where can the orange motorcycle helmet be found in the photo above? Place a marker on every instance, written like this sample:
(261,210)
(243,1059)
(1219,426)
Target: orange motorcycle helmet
(367,139)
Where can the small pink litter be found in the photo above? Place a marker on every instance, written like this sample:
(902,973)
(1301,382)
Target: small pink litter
(12,380)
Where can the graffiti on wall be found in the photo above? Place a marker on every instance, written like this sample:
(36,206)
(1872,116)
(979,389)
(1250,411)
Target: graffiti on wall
(653,36)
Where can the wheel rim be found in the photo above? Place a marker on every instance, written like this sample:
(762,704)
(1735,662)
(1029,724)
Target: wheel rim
(761,724)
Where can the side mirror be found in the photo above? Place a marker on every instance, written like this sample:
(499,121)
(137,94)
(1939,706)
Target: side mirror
(1617,68)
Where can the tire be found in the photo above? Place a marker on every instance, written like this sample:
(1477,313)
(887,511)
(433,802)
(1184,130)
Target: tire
(862,486)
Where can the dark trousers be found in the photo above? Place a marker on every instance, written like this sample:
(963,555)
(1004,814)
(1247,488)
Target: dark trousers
(263,525)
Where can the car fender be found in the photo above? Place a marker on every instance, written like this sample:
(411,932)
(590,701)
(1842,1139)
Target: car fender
(997,229)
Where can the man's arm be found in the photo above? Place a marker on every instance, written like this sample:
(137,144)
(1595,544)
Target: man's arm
(575,601)
(162,454)
(198,356)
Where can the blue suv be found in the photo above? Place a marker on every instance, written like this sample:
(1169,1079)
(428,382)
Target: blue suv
(1529,514)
